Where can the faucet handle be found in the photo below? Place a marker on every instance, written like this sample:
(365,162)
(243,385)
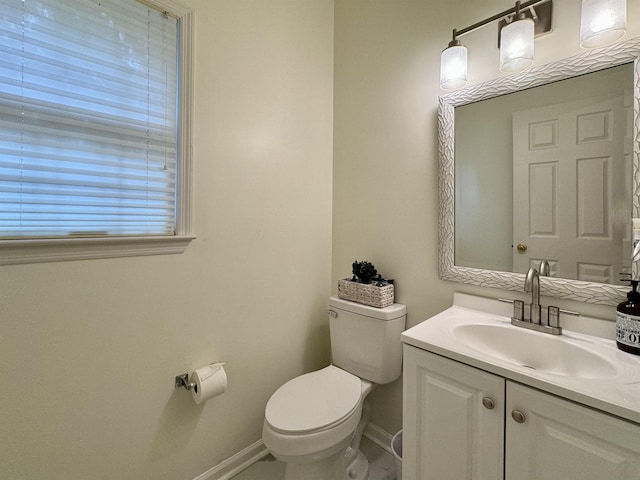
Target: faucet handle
(554,316)
(518,310)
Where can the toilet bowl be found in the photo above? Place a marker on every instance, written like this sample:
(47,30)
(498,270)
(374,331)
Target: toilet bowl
(314,422)
(312,419)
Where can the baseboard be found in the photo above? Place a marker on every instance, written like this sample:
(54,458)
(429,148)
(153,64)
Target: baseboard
(377,435)
(237,463)
(256,451)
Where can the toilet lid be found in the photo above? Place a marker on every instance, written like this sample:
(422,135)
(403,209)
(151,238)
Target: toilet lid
(313,401)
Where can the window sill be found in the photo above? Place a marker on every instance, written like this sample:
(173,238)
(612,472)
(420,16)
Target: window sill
(14,252)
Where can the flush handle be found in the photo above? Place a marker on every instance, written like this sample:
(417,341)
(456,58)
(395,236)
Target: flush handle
(332,313)
(488,403)
(518,416)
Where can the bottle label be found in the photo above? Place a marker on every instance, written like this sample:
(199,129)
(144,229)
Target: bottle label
(628,329)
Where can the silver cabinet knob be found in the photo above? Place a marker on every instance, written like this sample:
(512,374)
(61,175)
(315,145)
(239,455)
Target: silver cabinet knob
(518,416)
(488,403)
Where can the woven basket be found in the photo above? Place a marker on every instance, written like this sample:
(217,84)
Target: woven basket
(368,294)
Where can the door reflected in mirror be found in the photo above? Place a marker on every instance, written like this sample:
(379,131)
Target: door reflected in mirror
(545,174)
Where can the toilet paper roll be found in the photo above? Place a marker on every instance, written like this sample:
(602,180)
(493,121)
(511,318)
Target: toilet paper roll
(210,381)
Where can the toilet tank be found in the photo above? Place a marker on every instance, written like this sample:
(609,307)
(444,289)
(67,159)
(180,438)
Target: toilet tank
(365,341)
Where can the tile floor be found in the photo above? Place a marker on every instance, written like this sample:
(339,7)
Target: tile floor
(381,465)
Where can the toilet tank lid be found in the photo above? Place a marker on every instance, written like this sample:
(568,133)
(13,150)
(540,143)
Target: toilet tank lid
(391,312)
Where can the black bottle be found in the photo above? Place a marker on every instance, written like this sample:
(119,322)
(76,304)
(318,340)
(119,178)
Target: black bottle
(628,321)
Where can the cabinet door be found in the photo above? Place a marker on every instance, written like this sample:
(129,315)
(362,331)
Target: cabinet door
(559,439)
(448,431)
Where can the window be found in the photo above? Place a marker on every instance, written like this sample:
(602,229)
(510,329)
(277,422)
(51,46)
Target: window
(94,129)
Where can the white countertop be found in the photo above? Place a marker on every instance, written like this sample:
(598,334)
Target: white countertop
(618,394)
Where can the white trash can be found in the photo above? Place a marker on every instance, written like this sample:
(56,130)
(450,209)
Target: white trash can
(396,448)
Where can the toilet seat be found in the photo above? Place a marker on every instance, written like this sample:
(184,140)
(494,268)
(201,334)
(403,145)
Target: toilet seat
(314,402)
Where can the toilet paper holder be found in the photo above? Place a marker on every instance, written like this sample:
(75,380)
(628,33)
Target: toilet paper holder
(183,381)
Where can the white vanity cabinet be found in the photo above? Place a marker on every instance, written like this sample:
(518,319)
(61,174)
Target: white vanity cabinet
(453,420)
(560,439)
(463,423)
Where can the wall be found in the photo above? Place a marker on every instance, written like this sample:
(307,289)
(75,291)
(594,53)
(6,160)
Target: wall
(89,349)
(387,57)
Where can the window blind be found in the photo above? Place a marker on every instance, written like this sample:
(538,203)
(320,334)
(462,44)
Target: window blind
(88,127)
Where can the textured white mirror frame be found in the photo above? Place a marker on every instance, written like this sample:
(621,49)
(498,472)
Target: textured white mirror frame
(590,61)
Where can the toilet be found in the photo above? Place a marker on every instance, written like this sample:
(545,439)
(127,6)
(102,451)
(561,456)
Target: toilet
(314,422)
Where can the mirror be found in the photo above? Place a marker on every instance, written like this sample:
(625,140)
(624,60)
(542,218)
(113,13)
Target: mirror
(527,173)
(552,167)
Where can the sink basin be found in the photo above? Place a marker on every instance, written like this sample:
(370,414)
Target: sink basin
(538,351)
(583,364)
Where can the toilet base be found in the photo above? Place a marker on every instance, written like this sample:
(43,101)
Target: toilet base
(331,468)
(359,468)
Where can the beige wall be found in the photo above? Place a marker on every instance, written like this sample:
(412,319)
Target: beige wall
(387,57)
(89,349)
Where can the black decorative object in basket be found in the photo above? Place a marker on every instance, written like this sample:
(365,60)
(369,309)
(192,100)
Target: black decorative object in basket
(366,286)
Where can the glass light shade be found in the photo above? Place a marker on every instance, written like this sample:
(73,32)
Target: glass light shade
(453,67)
(516,45)
(602,22)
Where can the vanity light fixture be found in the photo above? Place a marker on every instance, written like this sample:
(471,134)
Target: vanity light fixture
(516,30)
(602,22)
(453,65)
(516,42)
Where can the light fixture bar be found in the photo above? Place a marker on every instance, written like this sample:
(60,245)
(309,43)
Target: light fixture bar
(498,16)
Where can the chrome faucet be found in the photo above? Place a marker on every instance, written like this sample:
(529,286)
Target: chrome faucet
(535,322)
(532,284)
